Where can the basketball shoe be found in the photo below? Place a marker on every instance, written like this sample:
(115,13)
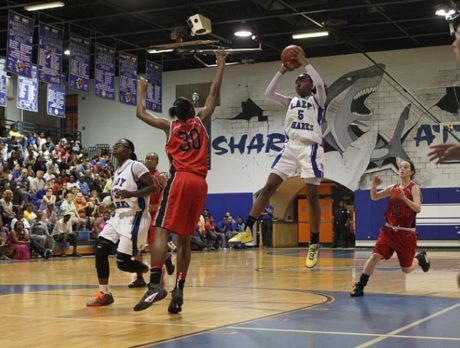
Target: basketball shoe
(154,294)
(312,256)
(242,237)
(137,283)
(423,261)
(101,299)
(177,300)
(358,290)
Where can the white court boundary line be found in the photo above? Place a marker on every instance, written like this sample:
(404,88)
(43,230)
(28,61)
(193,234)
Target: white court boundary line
(403,328)
(341,333)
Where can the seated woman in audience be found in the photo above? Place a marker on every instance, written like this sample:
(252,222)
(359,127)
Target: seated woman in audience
(18,242)
(6,204)
(48,198)
(29,214)
(68,207)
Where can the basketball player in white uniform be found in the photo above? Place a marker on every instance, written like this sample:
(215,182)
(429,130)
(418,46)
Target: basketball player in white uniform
(302,153)
(132,186)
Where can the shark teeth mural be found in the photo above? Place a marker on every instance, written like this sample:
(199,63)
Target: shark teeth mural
(346,106)
(353,145)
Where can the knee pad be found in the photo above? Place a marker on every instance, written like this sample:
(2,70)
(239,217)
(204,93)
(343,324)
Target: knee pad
(103,250)
(126,264)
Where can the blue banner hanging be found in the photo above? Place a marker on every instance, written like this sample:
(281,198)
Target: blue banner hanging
(20,43)
(79,63)
(104,72)
(128,78)
(50,54)
(28,92)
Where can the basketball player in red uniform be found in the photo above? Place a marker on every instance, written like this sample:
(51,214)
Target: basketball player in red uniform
(398,233)
(151,162)
(185,193)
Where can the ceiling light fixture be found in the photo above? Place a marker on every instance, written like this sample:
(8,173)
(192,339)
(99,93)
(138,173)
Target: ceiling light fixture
(444,13)
(155,51)
(243,33)
(310,35)
(44,6)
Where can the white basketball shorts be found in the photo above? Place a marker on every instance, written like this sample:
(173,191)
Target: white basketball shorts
(298,159)
(131,230)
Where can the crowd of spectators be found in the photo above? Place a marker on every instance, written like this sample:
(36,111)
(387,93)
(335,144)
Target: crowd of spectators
(49,192)
(211,235)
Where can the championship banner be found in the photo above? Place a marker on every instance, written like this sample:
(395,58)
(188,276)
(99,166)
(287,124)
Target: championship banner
(20,43)
(50,54)
(79,63)
(104,72)
(55,99)
(128,78)
(153,74)
(3,95)
(28,92)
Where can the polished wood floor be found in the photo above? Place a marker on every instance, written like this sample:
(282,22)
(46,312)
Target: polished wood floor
(43,302)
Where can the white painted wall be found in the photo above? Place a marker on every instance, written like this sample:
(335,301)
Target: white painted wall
(425,72)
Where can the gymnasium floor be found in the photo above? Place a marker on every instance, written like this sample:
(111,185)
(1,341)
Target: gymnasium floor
(251,298)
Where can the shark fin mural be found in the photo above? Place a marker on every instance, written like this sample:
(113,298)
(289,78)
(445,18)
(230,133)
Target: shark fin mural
(250,110)
(450,102)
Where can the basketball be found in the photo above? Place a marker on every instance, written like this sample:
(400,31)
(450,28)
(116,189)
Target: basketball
(288,57)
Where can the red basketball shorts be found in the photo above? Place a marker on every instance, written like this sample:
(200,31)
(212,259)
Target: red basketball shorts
(403,242)
(184,199)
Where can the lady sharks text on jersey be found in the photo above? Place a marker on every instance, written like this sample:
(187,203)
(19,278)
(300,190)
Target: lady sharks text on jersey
(303,119)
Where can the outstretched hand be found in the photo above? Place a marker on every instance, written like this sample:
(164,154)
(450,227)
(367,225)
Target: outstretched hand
(444,152)
(221,56)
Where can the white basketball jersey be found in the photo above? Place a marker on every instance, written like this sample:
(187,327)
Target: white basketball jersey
(304,118)
(127,178)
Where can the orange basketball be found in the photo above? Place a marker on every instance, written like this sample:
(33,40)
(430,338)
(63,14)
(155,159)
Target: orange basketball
(288,57)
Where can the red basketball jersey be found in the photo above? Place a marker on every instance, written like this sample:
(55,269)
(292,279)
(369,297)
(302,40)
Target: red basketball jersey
(399,213)
(187,146)
(156,196)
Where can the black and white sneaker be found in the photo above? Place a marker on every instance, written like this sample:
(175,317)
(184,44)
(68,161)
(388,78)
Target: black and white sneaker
(358,290)
(177,300)
(423,261)
(137,283)
(154,294)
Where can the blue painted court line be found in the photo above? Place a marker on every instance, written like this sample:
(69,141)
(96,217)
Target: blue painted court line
(344,322)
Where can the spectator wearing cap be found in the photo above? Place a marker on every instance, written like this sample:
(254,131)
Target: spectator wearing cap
(63,235)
